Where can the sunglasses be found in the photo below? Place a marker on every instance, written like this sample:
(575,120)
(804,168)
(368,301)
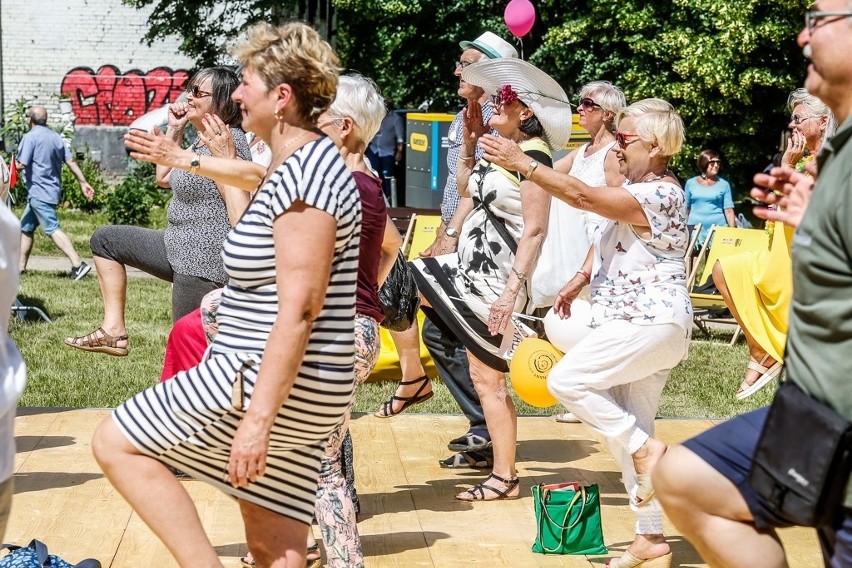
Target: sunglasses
(717,162)
(197,93)
(588,104)
(624,140)
(797,120)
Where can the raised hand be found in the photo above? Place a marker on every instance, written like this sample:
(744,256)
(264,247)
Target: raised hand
(217,137)
(788,190)
(178,115)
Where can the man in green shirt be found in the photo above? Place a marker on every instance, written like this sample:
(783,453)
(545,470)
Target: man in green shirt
(703,484)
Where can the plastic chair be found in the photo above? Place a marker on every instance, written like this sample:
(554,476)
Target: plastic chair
(721,242)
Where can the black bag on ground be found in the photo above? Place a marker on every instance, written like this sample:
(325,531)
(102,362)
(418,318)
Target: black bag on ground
(803,459)
(398,297)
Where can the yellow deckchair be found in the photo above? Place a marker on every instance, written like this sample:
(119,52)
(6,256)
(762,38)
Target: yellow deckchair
(420,234)
(722,241)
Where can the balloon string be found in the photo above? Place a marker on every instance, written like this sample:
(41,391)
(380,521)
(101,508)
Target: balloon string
(521,46)
(516,314)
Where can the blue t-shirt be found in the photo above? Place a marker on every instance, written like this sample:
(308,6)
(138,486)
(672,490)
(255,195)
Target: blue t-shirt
(707,204)
(42,151)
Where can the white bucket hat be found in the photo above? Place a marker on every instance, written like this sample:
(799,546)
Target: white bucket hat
(535,88)
(492,45)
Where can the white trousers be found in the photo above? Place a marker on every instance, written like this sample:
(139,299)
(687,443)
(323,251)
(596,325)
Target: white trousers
(612,380)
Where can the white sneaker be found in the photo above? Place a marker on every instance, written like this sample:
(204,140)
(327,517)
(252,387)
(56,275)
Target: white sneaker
(567,417)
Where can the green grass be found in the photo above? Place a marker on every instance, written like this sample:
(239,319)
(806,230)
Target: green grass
(58,376)
(79,227)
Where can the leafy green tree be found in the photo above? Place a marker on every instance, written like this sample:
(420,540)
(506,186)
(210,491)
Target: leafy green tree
(726,66)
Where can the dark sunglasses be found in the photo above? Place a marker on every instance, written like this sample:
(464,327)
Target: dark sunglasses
(197,93)
(624,140)
(588,104)
(717,162)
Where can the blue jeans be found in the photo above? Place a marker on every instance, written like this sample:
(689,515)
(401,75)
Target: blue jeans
(450,358)
(38,212)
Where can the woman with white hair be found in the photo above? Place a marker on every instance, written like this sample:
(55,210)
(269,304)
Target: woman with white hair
(641,313)
(757,285)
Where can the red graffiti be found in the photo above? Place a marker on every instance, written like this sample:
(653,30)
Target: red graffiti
(108,98)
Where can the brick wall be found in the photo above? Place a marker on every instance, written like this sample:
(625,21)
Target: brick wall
(92,50)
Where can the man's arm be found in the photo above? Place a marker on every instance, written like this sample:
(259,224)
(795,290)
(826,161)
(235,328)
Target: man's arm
(88,190)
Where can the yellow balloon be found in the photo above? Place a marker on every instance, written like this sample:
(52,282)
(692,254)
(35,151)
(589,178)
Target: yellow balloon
(532,362)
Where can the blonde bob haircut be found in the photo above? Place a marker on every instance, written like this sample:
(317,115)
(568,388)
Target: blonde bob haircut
(359,99)
(295,54)
(657,123)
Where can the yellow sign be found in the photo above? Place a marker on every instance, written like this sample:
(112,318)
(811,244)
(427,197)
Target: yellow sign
(419,142)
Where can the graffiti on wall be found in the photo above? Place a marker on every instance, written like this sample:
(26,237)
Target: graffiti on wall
(109,98)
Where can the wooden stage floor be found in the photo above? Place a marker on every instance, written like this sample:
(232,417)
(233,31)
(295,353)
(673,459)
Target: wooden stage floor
(409,516)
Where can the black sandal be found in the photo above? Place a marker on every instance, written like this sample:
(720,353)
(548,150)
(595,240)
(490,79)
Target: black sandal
(386,411)
(470,442)
(477,492)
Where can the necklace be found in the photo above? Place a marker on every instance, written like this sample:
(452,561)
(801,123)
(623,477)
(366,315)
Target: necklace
(651,176)
(273,165)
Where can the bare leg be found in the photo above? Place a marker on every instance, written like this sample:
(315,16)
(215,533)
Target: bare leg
(61,240)
(712,514)
(26,249)
(755,351)
(112,278)
(275,541)
(408,347)
(156,496)
(501,420)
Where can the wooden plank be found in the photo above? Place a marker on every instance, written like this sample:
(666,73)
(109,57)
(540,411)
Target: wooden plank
(409,514)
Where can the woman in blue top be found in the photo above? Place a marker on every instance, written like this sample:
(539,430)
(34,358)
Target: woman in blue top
(709,199)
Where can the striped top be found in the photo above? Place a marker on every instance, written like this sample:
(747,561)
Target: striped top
(316,175)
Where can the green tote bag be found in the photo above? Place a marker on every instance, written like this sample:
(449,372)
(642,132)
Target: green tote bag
(568,519)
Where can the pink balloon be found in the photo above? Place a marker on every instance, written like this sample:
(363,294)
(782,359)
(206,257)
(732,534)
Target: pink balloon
(519,17)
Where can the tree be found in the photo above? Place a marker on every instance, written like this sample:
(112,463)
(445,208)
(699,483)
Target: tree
(726,66)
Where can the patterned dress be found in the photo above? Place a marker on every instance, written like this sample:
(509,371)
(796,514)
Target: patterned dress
(190,422)
(462,286)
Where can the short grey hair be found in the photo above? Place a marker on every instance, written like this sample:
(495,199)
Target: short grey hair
(359,99)
(656,123)
(609,96)
(815,107)
(38,114)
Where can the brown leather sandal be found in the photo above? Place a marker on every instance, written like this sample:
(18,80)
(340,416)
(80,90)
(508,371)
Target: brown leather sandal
(99,341)
(477,492)
(386,410)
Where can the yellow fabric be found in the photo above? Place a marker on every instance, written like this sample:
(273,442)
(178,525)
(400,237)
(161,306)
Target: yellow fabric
(387,366)
(761,287)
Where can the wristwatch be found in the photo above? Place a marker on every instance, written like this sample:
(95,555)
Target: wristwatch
(452,233)
(533,166)
(195,163)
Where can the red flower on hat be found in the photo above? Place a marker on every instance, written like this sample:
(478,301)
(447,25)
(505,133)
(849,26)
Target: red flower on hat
(508,95)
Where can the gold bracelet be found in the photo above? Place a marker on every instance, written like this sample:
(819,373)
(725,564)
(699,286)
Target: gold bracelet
(522,276)
(466,157)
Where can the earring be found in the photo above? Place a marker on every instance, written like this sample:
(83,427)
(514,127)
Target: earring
(278,116)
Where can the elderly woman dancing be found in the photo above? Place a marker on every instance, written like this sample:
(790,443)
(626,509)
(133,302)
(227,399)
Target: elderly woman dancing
(188,252)
(641,314)
(249,420)
(475,290)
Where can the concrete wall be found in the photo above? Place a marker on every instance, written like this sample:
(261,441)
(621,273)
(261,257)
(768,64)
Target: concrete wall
(92,50)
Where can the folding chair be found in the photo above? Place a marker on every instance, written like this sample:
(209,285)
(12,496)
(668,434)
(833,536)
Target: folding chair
(721,242)
(696,230)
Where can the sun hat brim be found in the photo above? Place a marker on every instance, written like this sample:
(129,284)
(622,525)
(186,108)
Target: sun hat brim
(536,89)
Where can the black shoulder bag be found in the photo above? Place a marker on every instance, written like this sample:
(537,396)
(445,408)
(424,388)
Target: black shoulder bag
(802,461)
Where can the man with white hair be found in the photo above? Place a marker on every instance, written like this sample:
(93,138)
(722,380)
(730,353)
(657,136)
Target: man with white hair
(709,486)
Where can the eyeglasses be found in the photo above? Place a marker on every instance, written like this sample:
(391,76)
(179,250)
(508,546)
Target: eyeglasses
(797,120)
(463,64)
(717,162)
(197,93)
(624,140)
(588,104)
(812,17)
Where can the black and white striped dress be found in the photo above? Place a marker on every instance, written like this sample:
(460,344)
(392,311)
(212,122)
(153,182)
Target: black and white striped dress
(190,422)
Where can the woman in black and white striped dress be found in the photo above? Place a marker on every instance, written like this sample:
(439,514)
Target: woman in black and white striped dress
(254,418)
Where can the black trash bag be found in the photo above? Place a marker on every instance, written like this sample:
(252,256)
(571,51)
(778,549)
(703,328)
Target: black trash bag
(398,297)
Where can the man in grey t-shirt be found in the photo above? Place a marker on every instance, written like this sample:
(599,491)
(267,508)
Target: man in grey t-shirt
(41,154)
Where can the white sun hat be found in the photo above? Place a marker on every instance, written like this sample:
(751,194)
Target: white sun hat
(535,88)
(492,45)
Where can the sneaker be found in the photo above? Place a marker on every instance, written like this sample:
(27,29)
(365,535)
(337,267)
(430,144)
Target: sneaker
(566,417)
(470,442)
(79,271)
(473,460)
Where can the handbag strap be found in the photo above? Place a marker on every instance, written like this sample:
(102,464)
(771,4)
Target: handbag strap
(581,494)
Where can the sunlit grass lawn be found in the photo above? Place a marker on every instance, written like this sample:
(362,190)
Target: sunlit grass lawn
(59,376)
